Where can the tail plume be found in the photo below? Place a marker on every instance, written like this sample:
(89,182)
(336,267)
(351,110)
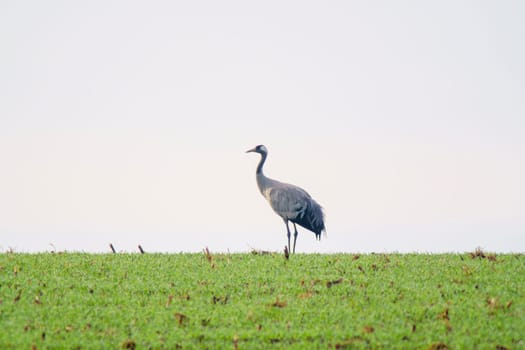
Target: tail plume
(312,219)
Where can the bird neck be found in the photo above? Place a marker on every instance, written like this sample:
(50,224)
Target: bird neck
(260,165)
(262,181)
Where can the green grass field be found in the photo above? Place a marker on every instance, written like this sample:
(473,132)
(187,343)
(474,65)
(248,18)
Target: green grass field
(261,301)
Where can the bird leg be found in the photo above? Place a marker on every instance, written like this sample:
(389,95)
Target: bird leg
(294,236)
(288,233)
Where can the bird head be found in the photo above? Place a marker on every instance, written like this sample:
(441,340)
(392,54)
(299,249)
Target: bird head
(261,149)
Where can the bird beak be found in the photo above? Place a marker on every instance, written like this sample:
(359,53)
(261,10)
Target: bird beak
(250,150)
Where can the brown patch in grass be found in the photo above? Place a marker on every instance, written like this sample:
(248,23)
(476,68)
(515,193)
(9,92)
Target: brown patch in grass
(279,303)
(349,343)
(129,344)
(209,257)
(446,318)
(329,284)
(181,318)
(260,252)
(305,295)
(368,329)
(479,253)
(220,300)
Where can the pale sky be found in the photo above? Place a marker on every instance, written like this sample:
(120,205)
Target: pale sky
(126,122)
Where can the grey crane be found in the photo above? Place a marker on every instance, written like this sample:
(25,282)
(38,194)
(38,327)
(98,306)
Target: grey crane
(290,202)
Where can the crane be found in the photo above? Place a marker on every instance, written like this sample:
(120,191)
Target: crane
(290,202)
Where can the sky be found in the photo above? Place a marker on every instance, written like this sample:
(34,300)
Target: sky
(127,122)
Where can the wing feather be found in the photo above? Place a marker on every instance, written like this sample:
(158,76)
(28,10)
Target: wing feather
(288,201)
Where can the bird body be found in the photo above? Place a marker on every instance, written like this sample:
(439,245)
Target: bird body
(290,202)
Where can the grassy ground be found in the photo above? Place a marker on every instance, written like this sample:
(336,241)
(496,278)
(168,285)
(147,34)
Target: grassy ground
(261,301)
